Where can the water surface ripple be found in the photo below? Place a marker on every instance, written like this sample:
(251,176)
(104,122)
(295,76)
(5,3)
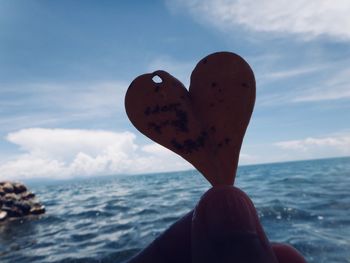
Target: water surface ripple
(110,219)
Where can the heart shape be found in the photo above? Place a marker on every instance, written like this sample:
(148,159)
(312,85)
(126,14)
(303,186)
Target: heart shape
(204,125)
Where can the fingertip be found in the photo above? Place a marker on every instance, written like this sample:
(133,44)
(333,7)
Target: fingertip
(287,254)
(222,209)
(225,228)
(172,246)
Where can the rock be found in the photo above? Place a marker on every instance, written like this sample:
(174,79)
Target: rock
(2,191)
(28,195)
(7,187)
(37,210)
(19,188)
(9,199)
(3,215)
(24,206)
(16,201)
(11,196)
(12,211)
(8,202)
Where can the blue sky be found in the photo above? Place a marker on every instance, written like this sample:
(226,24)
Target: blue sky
(65,67)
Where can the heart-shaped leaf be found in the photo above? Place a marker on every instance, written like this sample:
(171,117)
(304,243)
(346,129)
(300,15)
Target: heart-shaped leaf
(204,125)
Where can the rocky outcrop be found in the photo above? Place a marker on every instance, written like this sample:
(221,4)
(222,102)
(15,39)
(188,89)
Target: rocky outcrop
(17,201)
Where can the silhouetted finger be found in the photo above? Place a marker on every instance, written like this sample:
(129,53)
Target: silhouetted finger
(226,228)
(287,254)
(174,245)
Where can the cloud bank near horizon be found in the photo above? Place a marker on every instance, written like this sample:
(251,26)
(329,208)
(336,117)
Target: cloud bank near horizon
(71,153)
(68,153)
(333,145)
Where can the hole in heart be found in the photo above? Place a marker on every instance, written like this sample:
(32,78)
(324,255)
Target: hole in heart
(156,79)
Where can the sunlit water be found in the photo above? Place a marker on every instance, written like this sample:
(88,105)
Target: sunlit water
(306,204)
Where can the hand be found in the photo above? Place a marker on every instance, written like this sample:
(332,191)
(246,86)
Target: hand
(224,227)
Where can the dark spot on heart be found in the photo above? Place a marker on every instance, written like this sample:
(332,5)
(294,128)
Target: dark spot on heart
(147,111)
(227,140)
(219,144)
(211,105)
(190,145)
(213,84)
(201,138)
(205,61)
(170,107)
(182,97)
(155,109)
(219,90)
(165,123)
(212,129)
(156,89)
(164,108)
(221,100)
(176,144)
(181,123)
(157,128)
(245,85)
(175,105)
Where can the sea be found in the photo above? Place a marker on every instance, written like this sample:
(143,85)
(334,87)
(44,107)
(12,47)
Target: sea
(110,219)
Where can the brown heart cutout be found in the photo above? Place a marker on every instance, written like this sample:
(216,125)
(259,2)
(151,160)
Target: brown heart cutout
(204,125)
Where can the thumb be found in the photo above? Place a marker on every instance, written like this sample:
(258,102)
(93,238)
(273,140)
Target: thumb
(225,228)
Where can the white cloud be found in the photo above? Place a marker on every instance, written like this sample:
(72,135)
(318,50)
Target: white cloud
(309,18)
(289,73)
(65,153)
(65,144)
(332,83)
(245,158)
(327,93)
(312,147)
(68,153)
(335,87)
(155,149)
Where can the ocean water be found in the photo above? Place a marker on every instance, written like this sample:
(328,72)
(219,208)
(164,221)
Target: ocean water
(306,204)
